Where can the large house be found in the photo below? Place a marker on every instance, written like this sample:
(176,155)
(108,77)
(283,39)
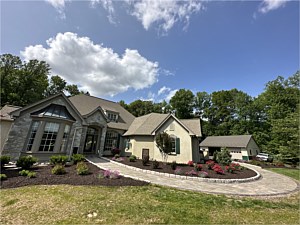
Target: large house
(241,147)
(90,125)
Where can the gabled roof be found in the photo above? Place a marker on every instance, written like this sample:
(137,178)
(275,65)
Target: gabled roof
(86,104)
(6,110)
(193,125)
(226,141)
(17,112)
(148,124)
(145,125)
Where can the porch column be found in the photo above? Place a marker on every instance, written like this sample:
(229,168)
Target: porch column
(102,141)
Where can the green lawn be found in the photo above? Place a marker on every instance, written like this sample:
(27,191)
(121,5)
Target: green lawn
(293,173)
(63,204)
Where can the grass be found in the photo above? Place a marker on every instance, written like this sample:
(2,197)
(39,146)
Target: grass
(63,204)
(293,173)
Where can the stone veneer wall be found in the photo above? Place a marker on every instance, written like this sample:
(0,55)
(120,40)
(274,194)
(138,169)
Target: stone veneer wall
(17,137)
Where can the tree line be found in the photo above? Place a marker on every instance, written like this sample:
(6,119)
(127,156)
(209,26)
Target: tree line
(23,83)
(272,117)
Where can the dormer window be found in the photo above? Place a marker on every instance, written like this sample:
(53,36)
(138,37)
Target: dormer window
(112,117)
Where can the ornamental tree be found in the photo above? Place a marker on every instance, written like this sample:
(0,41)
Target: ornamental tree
(164,144)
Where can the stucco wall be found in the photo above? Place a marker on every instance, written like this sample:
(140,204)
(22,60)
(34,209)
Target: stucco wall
(137,143)
(4,129)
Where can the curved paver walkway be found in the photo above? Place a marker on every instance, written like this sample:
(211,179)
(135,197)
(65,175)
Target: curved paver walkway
(270,184)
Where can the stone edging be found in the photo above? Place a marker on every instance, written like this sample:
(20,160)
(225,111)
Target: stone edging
(209,180)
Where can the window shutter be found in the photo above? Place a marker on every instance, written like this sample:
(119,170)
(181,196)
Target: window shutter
(177,145)
(118,142)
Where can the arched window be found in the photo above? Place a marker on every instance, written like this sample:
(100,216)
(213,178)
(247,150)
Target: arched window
(50,129)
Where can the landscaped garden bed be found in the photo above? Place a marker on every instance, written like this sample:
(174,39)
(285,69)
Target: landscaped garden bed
(44,176)
(190,170)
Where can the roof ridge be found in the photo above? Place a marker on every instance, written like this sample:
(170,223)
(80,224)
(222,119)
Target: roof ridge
(96,98)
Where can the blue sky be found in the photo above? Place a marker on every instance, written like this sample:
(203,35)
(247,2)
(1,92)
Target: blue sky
(148,49)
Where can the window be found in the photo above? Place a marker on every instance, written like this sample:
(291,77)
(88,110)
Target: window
(112,116)
(65,138)
(175,144)
(111,140)
(49,137)
(34,127)
(54,110)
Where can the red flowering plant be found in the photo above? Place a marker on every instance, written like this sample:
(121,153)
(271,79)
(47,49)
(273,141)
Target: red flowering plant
(230,168)
(217,168)
(197,167)
(191,173)
(210,164)
(190,163)
(235,165)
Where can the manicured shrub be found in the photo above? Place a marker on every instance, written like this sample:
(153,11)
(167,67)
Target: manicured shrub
(3,176)
(230,169)
(155,164)
(77,158)
(203,174)
(117,156)
(217,168)
(197,167)
(190,163)
(224,157)
(25,162)
(145,160)
(4,160)
(132,158)
(210,164)
(58,169)
(215,154)
(24,173)
(115,151)
(178,171)
(58,159)
(82,168)
(173,165)
(31,174)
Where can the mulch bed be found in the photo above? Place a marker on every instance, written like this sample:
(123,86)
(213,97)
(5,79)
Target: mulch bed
(166,168)
(45,177)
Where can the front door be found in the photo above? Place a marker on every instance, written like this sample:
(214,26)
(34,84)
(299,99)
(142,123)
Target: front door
(91,140)
(145,153)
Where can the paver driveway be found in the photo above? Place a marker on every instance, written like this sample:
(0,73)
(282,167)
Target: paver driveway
(270,184)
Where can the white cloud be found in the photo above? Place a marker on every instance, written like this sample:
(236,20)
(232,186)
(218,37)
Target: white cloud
(170,94)
(268,5)
(59,5)
(93,67)
(163,90)
(164,13)
(108,6)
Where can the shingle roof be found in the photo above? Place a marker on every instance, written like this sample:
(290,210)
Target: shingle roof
(146,124)
(86,104)
(193,125)
(4,112)
(226,141)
